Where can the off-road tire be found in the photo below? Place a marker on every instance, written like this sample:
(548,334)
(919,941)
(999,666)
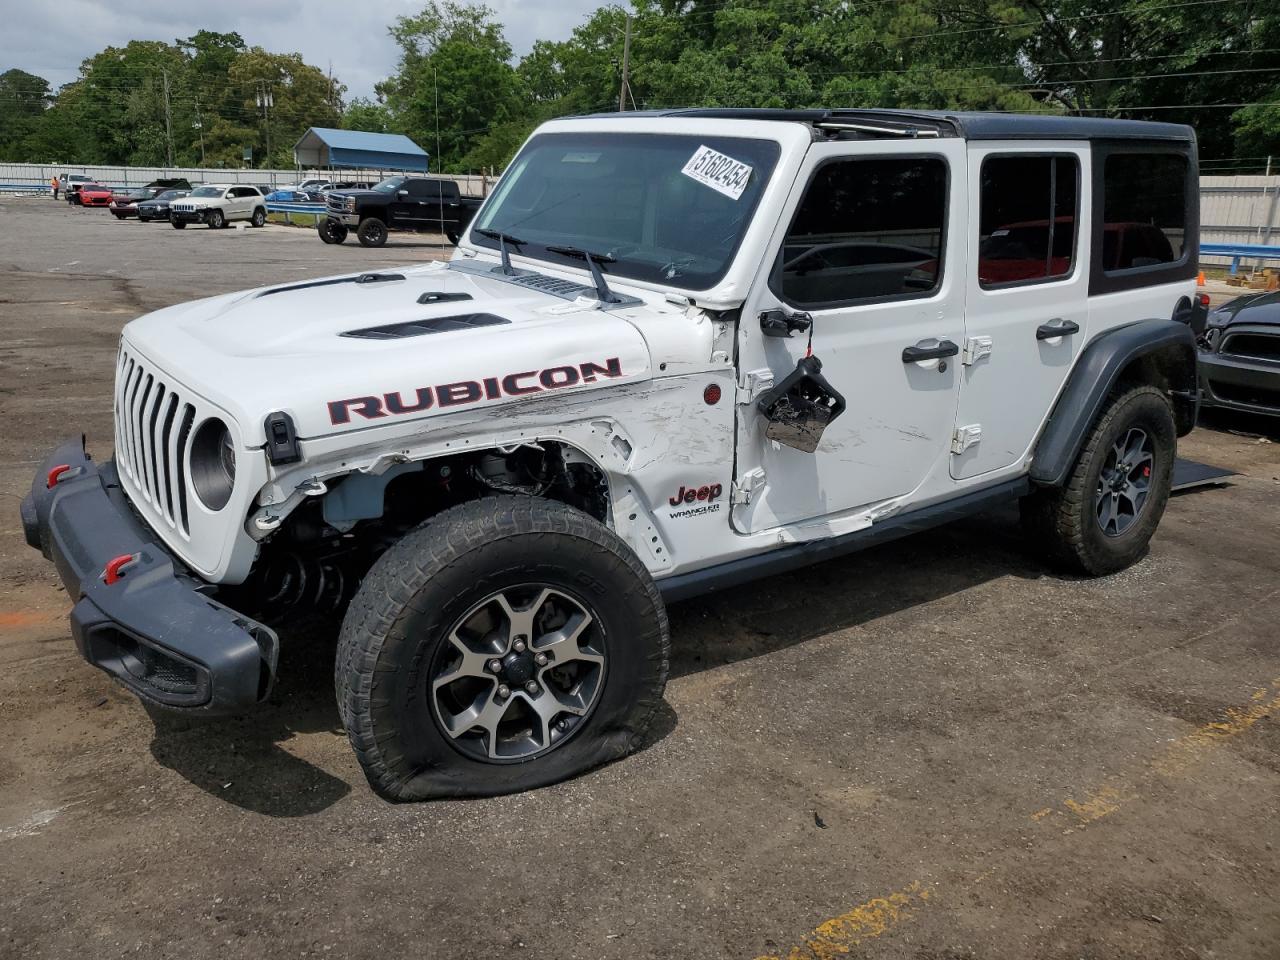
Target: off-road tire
(216,220)
(1062,523)
(259,218)
(179,224)
(331,231)
(417,591)
(372,232)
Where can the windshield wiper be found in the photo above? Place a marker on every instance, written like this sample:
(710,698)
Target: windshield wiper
(503,239)
(603,293)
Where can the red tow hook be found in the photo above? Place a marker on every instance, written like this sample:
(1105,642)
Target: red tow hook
(56,474)
(114,570)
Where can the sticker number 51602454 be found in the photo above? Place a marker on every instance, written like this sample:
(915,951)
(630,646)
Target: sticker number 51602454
(718,172)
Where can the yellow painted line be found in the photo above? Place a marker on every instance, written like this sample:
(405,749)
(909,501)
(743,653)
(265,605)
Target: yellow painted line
(1179,756)
(839,935)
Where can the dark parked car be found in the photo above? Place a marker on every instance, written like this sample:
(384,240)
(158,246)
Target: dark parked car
(397,203)
(170,183)
(157,208)
(1240,355)
(125,199)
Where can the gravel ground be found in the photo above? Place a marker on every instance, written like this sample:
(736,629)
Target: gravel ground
(936,749)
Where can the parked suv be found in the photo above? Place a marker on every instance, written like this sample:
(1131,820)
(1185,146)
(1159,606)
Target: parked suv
(674,353)
(216,205)
(397,203)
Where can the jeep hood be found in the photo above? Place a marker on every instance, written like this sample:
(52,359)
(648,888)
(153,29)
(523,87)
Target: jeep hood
(353,352)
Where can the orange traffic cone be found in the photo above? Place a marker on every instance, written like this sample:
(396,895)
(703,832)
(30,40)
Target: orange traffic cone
(1200,279)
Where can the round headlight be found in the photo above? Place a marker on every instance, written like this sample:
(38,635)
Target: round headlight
(213,464)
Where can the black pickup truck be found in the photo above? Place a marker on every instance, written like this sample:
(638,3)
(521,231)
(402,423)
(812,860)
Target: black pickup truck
(397,203)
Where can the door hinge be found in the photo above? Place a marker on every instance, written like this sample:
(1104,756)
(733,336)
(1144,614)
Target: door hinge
(744,489)
(975,348)
(965,437)
(754,383)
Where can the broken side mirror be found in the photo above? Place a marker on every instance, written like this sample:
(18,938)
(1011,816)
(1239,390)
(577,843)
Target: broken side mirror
(801,407)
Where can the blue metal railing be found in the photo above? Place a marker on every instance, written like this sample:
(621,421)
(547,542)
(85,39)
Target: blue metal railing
(1240,251)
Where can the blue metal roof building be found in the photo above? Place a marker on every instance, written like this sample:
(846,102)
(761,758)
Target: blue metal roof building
(325,147)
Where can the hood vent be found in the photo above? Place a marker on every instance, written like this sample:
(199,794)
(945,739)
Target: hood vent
(419,328)
(440,296)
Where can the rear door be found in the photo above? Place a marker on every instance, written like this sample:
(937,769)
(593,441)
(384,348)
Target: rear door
(1027,304)
(870,245)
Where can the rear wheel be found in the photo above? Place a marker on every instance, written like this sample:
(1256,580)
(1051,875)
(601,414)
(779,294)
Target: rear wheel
(506,644)
(259,217)
(1103,518)
(372,233)
(216,220)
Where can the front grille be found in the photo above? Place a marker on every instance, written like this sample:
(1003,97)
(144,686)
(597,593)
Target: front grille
(1247,396)
(1261,346)
(336,204)
(153,429)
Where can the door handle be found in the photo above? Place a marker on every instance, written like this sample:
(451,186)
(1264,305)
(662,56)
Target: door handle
(1056,328)
(929,350)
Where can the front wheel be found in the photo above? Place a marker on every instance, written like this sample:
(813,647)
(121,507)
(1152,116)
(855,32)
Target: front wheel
(372,233)
(259,217)
(506,644)
(1103,518)
(331,231)
(216,220)
(178,224)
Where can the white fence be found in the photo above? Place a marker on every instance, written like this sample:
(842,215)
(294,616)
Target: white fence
(1242,209)
(35,177)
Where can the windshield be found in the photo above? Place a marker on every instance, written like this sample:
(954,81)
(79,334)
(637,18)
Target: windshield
(172,195)
(389,184)
(669,209)
(206,192)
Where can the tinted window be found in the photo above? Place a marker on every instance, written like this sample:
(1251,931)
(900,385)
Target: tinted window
(1027,226)
(1144,209)
(866,229)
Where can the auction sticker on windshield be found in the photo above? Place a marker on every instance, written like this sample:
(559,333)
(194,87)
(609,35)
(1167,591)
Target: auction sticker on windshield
(721,173)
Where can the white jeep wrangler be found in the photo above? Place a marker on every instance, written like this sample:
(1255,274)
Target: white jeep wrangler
(675,351)
(217,204)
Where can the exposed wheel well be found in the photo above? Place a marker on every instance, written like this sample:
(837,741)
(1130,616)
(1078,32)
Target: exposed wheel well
(317,557)
(1172,368)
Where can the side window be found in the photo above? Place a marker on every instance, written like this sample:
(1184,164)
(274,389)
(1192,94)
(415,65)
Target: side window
(420,189)
(1144,209)
(234,193)
(866,230)
(1027,224)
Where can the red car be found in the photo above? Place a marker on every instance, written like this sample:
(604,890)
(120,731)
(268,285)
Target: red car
(95,195)
(124,201)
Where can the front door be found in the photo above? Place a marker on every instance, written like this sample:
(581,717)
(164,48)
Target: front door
(874,251)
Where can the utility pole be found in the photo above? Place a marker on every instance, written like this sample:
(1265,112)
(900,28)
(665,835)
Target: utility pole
(265,101)
(168,119)
(199,125)
(625,88)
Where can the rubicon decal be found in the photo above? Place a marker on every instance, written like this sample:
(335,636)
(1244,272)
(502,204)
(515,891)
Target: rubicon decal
(462,392)
(696,501)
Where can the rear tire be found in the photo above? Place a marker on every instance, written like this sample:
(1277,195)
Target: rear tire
(580,619)
(372,233)
(1102,519)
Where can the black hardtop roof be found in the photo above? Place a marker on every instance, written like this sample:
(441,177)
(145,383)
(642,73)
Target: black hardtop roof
(973,125)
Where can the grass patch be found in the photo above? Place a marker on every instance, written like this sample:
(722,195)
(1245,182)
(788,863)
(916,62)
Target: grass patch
(295,219)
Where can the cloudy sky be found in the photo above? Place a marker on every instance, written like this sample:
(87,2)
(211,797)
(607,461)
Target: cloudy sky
(51,39)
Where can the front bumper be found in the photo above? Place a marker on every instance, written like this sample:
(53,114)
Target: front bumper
(188,216)
(1239,383)
(154,629)
(347,219)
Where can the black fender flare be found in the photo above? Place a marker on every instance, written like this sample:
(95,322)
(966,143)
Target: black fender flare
(1159,351)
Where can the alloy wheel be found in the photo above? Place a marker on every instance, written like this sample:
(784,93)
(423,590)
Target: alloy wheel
(1125,482)
(518,674)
